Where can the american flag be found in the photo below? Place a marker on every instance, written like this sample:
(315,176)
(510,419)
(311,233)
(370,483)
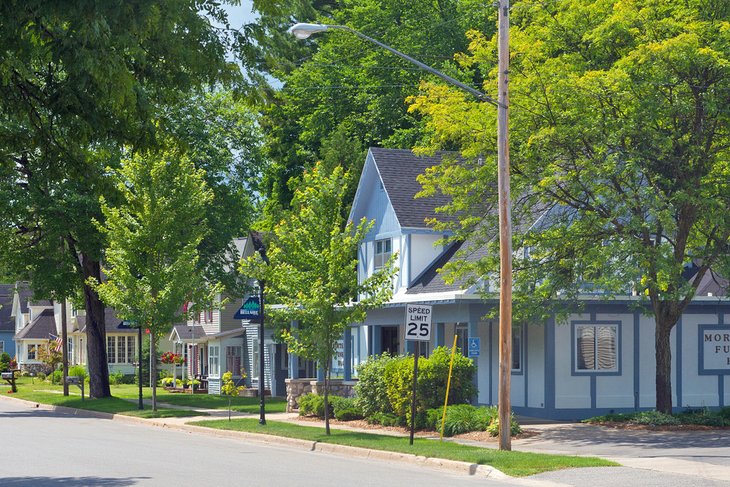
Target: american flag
(59,342)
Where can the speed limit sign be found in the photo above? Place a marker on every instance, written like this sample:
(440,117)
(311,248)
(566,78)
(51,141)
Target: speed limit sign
(418,322)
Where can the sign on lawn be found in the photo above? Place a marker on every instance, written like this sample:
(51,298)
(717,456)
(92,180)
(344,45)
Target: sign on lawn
(418,322)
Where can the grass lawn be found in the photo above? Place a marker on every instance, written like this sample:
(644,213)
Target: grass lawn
(512,463)
(46,393)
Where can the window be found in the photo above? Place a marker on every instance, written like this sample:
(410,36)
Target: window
(120,349)
(233,360)
(596,347)
(32,349)
(209,316)
(111,350)
(214,365)
(2,346)
(517,350)
(255,358)
(70,347)
(383,251)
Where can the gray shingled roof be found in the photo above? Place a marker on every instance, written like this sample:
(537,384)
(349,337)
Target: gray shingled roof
(189,332)
(398,170)
(40,328)
(6,307)
(112,323)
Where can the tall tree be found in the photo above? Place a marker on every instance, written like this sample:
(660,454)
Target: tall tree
(620,137)
(336,85)
(78,81)
(312,273)
(153,234)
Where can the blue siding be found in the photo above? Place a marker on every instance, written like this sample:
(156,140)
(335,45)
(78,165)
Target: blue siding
(8,342)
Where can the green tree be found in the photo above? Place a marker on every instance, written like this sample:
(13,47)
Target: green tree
(153,236)
(619,135)
(230,389)
(78,81)
(337,86)
(312,271)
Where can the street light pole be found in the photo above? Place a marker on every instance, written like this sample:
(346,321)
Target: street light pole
(303,31)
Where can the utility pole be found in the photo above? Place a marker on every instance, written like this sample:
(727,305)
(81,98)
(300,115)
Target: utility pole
(505,231)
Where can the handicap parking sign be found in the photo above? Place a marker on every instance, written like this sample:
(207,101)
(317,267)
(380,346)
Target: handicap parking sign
(474,347)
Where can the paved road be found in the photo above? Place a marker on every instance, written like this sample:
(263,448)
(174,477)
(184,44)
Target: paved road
(43,448)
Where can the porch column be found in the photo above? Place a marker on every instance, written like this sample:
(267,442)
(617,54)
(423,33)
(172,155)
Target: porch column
(348,353)
(293,359)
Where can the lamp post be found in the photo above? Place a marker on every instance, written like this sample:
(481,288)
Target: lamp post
(303,31)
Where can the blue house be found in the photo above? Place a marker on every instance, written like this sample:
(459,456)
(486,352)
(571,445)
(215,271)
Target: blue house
(596,361)
(7,322)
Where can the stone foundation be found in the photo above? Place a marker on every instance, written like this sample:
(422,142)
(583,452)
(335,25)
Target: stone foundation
(35,368)
(295,388)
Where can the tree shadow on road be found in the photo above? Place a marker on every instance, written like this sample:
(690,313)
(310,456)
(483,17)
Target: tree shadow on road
(69,481)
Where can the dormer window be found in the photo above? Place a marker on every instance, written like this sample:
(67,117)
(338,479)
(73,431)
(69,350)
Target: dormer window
(383,251)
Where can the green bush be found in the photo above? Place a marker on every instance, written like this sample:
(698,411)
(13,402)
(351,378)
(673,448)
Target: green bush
(57,377)
(461,418)
(433,374)
(5,359)
(385,419)
(514,428)
(654,418)
(77,371)
(311,405)
(41,376)
(345,408)
(371,395)
(115,378)
(724,413)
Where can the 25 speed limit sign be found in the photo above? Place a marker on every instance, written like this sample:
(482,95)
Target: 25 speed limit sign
(418,322)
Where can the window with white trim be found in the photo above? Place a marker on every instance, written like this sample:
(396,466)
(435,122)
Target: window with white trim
(111,349)
(596,348)
(233,360)
(383,251)
(214,364)
(120,349)
(32,350)
(255,359)
(517,350)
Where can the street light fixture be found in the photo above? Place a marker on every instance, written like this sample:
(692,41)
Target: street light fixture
(303,31)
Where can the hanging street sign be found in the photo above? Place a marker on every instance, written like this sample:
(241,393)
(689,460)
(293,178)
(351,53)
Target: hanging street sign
(418,322)
(251,310)
(474,347)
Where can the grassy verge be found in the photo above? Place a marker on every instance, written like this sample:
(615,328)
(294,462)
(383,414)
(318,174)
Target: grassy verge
(512,463)
(45,393)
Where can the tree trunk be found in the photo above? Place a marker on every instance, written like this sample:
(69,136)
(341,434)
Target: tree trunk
(153,368)
(663,365)
(326,400)
(96,361)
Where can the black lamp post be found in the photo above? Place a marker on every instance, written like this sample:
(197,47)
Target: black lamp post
(259,246)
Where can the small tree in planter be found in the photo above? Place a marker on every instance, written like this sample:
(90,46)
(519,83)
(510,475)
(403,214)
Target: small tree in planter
(230,389)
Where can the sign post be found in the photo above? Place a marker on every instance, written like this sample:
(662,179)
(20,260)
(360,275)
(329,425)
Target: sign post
(418,329)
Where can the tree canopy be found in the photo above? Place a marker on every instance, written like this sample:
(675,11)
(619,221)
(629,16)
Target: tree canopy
(619,146)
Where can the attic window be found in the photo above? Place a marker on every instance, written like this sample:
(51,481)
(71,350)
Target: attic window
(383,251)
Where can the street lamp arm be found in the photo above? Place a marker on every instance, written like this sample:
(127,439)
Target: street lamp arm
(302,31)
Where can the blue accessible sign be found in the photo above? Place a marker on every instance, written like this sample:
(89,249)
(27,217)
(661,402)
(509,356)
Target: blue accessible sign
(251,310)
(474,347)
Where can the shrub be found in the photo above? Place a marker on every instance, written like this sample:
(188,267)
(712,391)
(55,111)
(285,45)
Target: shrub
(57,377)
(433,374)
(167,382)
(654,418)
(371,395)
(385,419)
(5,359)
(77,371)
(41,376)
(724,413)
(311,405)
(514,428)
(345,408)
(115,378)
(461,418)
(398,377)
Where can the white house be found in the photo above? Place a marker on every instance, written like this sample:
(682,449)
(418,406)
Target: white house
(598,361)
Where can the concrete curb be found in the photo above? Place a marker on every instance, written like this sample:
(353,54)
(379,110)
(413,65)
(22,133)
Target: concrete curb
(472,469)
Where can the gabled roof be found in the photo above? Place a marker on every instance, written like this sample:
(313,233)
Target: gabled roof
(187,333)
(112,324)
(398,170)
(40,328)
(6,307)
